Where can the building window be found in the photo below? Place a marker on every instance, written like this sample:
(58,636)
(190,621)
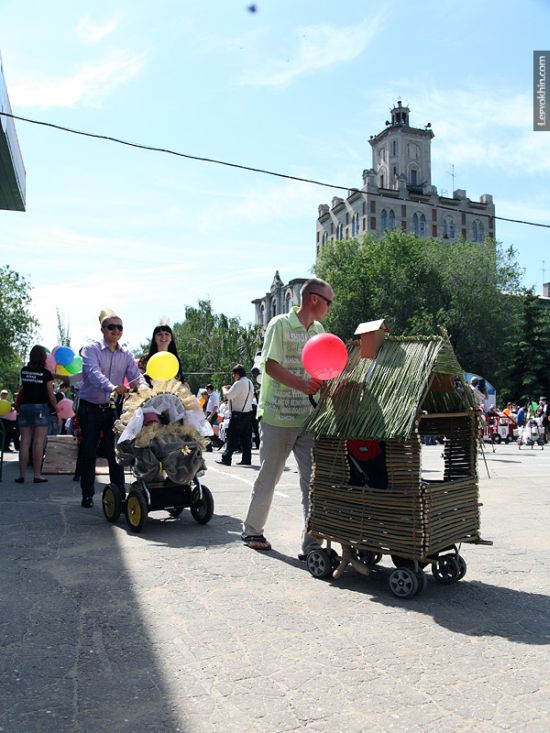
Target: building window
(449,229)
(419,225)
(325,237)
(263,316)
(478,231)
(355,225)
(414,177)
(273,308)
(288,302)
(394,147)
(387,219)
(339,231)
(382,155)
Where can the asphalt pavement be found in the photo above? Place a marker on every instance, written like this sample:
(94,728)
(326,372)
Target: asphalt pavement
(184,629)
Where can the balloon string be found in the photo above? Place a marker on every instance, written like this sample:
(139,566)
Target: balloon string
(312,401)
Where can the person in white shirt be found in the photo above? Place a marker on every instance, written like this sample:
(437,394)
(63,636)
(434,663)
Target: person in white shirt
(239,432)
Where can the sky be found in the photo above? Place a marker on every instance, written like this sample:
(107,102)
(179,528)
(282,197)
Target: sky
(296,87)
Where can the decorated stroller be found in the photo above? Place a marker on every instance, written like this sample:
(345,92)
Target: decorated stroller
(161,435)
(532,433)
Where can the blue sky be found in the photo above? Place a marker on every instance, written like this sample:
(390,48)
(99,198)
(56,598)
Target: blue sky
(297,87)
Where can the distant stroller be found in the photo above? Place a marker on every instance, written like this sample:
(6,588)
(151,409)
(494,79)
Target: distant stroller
(532,433)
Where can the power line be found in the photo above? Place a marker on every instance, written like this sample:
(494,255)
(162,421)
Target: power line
(203,159)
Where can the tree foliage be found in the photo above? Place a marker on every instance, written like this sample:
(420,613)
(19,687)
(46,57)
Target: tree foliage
(210,344)
(420,284)
(17,325)
(524,374)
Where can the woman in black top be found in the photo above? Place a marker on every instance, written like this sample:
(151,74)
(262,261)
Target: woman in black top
(35,405)
(163,340)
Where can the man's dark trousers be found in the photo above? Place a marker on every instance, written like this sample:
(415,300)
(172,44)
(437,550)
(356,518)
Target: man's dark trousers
(94,421)
(239,434)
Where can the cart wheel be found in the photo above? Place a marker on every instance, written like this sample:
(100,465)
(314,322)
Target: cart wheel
(319,563)
(403,583)
(111,502)
(497,439)
(202,508)
(136,510)
(175,511)
(422,580)
(334,558)
(462,567)
(446,569)
(368,558)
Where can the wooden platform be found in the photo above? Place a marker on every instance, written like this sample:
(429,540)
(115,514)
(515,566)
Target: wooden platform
(61,452)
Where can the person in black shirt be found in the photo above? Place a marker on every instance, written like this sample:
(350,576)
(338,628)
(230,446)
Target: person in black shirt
(35,405)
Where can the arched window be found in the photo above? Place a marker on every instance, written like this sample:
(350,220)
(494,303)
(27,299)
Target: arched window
(288,302)
(340,231)
(391,219)
(394,147)
(324,238)
(413,176)
(263,315)
(478,231)
(449,229)
(419,224)
(273,308)
(355,225)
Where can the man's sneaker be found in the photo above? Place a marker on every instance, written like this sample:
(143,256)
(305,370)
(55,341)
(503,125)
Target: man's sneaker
(87,502)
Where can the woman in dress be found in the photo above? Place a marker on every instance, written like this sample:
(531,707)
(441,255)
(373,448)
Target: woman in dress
(36,402)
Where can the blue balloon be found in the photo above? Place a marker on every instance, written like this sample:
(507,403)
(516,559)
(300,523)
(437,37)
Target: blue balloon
(64,355)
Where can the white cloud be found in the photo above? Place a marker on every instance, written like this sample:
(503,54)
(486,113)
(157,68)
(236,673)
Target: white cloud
(89,85)
(320,46)
(90,32)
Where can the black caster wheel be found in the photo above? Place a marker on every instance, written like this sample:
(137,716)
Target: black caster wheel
(319,563)
(446,569)
(175,511)
(368,558)
(202,503)
(403,583)
(462,567)
(111,502)
(334,558)
(422,580)
(136,510)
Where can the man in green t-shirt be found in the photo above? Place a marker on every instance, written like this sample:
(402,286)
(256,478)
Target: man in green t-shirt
(283,408)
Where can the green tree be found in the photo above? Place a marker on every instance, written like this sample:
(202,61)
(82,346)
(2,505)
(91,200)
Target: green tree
(63,329)
(17,325)
(524,375)
(420,284)
(209,344)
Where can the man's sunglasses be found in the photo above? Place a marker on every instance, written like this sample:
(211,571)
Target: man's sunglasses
(327,301)
(115,327)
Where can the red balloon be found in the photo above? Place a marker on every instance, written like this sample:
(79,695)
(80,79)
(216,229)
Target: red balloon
(324,356)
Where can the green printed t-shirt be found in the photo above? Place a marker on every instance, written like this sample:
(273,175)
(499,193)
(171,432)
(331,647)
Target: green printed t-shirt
(284,340)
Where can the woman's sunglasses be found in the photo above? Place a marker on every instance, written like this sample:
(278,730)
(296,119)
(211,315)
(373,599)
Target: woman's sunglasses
(115,327)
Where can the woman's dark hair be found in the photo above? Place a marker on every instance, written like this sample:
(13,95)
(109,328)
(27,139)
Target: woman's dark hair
(37,357)
(153,348)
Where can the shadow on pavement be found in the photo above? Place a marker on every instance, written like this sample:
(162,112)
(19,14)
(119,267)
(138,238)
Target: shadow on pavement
(471,607)
(77,654)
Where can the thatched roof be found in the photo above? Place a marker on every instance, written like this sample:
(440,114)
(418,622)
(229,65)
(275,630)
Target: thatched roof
(378,399)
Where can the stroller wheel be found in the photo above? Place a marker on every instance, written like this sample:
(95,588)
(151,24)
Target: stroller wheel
(175,511)
(111,502)
(202,507)
(136,510)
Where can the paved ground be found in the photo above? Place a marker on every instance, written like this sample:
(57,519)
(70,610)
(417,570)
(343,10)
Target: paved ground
(182,628)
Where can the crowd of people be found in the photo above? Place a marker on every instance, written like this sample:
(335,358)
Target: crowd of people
(272,420)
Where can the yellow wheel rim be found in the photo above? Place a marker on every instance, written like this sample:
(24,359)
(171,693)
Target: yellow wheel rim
(134,511)
(109,503)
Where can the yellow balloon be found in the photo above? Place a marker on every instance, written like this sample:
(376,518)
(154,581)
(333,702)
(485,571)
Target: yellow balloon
(5,407)
(163,365)
(62,371)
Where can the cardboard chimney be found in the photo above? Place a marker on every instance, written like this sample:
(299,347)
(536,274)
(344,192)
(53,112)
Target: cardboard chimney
(372,337)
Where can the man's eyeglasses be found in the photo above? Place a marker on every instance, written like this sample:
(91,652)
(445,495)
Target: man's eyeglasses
(115,327)
(327,301)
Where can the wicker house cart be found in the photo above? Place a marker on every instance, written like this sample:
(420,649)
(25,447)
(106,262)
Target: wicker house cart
(412,388)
